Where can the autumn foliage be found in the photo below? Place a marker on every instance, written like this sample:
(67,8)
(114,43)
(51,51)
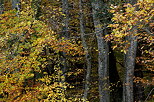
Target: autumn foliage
(33,49)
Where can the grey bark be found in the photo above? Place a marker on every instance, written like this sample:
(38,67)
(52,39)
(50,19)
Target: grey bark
(128,95)
(15,4)
(66,19)
(130,1)
(65,34)
(130,65)
(1,6)
(87,55)
(102,54)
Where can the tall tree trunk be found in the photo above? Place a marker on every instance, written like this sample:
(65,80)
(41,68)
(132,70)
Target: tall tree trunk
(128,95)
(130,1)
(65,18)
(16,5)
(130,65)
(102,54)
(1,6)
(87,55)
(65,34)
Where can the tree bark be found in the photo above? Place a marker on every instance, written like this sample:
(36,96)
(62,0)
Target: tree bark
(130,65)
(130,1)
(128,95)
(1,6)
(15,4)
(65,34)
(87,55)
(102,54)
(65,18)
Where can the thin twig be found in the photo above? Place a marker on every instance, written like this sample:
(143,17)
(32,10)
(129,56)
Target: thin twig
(148,95)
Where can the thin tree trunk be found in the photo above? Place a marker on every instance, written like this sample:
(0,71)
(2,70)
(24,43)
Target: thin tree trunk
(1,6)
(15,4)
(130,1)
(130,65)
(128,95)
(65,34)
(102,54)
(87,55)
(66,19)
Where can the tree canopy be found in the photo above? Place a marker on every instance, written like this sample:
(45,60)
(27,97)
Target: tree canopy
(76,50)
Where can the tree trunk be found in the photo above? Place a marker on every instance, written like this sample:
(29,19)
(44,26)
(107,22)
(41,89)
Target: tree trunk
(65,18)
(15,4)
(128,95)
(130,1)
(102,54)
(1,6)
(87,55)
(65,34)
(130,65)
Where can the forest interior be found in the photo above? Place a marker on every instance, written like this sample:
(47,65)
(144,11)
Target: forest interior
(76,50)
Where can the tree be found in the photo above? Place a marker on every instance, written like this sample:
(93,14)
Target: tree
(73,50)
(114,77)
(87,55)
(15,4)
(1,6)
(130,65)
(128,23)
(102,53)
(24,61)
